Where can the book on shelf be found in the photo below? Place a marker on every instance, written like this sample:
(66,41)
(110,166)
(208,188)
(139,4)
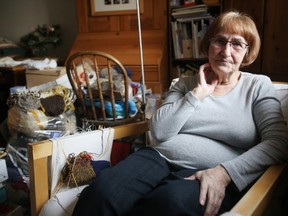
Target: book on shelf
(177,38)
(186,36)
(195,38)
(175,3)
(187,47)
(183,2)
(189,11)
(189,2)
(200,16)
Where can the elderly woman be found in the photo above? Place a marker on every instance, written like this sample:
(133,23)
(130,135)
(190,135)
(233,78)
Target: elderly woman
(213,136)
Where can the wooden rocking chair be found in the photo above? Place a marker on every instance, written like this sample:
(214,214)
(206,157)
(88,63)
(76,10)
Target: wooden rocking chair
(101,85)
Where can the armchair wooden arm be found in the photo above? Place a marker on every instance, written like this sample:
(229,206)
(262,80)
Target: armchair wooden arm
(253,203)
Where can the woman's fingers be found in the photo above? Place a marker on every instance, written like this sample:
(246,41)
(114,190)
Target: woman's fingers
(202,74)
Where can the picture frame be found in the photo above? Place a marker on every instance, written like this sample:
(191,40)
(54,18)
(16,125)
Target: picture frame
(115,7)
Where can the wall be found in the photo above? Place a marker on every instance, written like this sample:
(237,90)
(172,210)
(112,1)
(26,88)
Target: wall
(18,18)
(154,17)
(271,20)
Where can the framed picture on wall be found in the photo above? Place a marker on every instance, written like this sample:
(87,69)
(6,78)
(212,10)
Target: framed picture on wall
(115,7)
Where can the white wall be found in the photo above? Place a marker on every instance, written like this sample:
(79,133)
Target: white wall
(20,17)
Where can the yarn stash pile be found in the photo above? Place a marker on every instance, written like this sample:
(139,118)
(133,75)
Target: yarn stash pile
(38,115)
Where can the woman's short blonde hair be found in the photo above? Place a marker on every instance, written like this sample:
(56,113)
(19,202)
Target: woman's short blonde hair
(234,22)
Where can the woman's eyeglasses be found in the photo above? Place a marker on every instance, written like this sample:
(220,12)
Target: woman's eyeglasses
(236,45)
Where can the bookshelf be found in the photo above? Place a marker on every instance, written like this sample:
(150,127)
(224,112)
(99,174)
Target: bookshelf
(187,24)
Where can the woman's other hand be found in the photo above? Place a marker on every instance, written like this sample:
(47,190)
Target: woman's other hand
(213,183)
(207,82)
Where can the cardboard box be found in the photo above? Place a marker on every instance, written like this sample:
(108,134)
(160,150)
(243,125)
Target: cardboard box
(38,77)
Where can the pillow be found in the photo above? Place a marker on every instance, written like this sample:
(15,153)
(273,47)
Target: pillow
(62,203)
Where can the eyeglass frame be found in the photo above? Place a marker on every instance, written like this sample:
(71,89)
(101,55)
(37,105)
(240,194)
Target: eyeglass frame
(220,39)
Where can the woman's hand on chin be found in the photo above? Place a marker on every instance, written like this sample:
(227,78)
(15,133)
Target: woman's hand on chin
(207,82)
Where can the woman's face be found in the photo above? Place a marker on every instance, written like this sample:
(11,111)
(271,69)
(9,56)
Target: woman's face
(226,52)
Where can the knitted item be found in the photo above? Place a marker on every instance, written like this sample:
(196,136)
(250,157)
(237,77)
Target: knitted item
(68,95)
(53,105)
(25,100)
(77,170)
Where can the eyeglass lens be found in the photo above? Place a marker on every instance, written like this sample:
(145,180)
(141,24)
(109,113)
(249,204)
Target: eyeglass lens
(235,44)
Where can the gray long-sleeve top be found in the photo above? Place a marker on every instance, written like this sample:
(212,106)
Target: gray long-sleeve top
(243,130)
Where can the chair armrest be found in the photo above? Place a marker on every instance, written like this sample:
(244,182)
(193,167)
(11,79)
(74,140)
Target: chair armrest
(255,201)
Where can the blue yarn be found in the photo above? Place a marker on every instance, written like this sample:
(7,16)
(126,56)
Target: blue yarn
(119,108)
(99,165)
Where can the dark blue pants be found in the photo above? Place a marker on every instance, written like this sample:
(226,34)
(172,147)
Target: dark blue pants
(145,184)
